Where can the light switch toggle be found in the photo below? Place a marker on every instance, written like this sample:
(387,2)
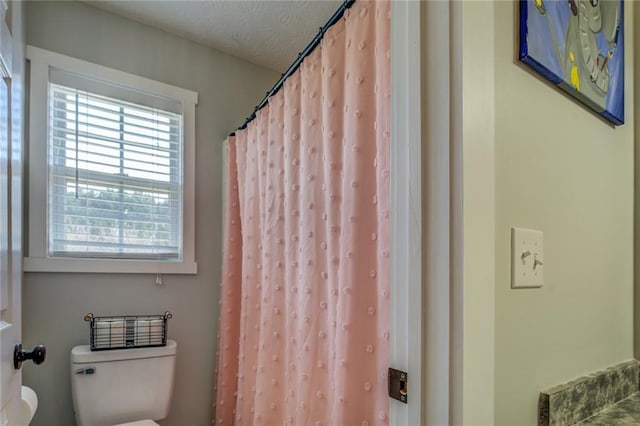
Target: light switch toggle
(537,262)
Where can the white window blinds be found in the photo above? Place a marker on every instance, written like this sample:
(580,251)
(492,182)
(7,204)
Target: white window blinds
(115,177)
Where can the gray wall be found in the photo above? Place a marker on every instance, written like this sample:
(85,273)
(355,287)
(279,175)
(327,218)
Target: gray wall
(54,304)
(562,170)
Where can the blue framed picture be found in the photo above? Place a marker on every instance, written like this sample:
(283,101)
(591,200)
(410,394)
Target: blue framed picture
(578,45)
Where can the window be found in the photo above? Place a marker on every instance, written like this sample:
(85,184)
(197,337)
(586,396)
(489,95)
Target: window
(114,177)
(111,170)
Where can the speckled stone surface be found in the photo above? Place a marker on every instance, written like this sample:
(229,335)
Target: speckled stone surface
(625,412)
(582,398)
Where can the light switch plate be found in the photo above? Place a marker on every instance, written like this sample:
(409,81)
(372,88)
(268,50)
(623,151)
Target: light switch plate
(527,258)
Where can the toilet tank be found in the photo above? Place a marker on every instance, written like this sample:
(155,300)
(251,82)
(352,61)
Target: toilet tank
(123,385)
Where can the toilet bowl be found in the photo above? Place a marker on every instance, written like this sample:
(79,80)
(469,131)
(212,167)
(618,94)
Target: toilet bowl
(122,387)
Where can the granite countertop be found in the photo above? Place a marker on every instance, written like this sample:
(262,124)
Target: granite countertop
(625,412)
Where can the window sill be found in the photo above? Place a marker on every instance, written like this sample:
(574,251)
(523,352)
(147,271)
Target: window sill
(108,266)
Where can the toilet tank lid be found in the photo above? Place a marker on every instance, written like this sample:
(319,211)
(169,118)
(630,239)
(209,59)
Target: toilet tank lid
(84,354)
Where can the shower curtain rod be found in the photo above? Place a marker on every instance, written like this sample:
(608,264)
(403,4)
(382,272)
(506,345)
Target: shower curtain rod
(307,50)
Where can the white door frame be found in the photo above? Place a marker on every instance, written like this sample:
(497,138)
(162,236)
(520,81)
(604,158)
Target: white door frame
(420,194)
(406,208)
(443,204)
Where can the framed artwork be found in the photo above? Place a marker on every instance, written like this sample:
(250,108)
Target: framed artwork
(578,45)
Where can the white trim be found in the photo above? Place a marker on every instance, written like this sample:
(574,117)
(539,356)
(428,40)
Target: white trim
(436,128)
(456,405)
(406,201)
(37,261)
(105,266)
(189,188)
(429,319)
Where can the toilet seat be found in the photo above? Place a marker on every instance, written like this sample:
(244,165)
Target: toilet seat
(140,423)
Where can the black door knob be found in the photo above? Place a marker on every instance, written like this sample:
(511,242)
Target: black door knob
(37,355)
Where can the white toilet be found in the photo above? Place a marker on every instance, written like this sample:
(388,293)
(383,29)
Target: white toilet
(131,387)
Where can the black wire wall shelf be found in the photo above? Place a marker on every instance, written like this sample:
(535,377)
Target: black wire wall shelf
(127,331)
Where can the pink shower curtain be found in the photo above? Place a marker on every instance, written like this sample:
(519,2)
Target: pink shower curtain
(304,327)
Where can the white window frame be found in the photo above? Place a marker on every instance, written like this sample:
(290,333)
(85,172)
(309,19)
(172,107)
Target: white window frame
(37,259)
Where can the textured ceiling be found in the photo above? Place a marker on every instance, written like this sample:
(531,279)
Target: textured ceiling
(269,33)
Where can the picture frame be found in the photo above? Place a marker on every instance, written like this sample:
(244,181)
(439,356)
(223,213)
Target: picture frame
(578,45)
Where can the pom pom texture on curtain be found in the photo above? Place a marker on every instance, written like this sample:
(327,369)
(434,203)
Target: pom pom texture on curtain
(304,324)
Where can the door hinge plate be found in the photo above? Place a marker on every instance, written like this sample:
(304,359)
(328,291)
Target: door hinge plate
(398,385)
